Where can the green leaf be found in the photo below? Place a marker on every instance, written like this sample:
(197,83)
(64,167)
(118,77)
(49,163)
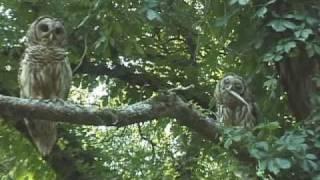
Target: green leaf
(283,163)
(259,150)
(268,57)
(261,12)
(278,58)
(272,125)
(280,25)
(152,15)
(316,49)
(227,143)
(262,165)
(152,3)
(277,25)
(262,145)
(270,84)
(289,24)
(256,153)
(243,2)
(290,45)
(272,167)
(298,17)
(312,21)
(303,34)
(232,2)
(311,156)
(309,165)
(298,139)
(313,165)
(236,138)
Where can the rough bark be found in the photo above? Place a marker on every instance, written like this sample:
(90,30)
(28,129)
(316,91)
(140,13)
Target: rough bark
(296,78)
(163,105)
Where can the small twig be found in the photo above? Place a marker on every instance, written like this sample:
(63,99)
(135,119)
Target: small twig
(83,55)
(181,88)
(148,140)
(237,96)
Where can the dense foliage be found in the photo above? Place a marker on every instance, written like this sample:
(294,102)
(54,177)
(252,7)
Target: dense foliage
(135,49)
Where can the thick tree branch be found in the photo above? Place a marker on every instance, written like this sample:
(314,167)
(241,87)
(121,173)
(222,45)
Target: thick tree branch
(163,105)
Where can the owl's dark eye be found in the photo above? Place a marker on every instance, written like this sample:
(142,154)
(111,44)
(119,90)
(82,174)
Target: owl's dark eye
(43,27)
(238,86)
(59,30)
(226,81)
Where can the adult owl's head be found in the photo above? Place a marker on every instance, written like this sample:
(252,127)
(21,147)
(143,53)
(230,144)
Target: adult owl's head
(232,91)
(47,31)
(233,82)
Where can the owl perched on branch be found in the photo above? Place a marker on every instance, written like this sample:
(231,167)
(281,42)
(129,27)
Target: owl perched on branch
(45,73)
(235,104)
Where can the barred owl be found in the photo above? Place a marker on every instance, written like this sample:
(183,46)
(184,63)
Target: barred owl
(235,104)
(45,73)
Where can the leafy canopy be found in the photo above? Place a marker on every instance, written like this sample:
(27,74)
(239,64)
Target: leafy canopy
(135,49)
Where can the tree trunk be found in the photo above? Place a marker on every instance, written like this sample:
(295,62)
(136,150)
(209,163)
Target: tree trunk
(296,78)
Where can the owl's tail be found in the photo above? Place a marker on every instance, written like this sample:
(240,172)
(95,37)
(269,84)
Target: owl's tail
(43,134)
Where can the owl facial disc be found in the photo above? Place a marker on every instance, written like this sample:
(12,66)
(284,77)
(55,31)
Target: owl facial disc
(47,31)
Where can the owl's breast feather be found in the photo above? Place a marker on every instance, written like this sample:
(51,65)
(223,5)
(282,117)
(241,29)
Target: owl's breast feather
(44,73)
(44,54)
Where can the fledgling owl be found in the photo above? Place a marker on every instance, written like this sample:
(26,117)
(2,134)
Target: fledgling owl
(235,103)
(45,73)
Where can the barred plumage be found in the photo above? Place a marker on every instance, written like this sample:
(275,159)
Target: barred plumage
(235,104)
(45,73)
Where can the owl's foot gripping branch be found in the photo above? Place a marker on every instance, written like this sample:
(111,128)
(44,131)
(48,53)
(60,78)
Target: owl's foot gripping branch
(166,104)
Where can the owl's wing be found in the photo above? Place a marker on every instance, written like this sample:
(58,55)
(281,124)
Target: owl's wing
(217,96)
(256,113)
(67,78)
(254,106)
(20,76)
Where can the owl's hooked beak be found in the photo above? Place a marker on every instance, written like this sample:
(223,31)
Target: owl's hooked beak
(48,37)
(51,36)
